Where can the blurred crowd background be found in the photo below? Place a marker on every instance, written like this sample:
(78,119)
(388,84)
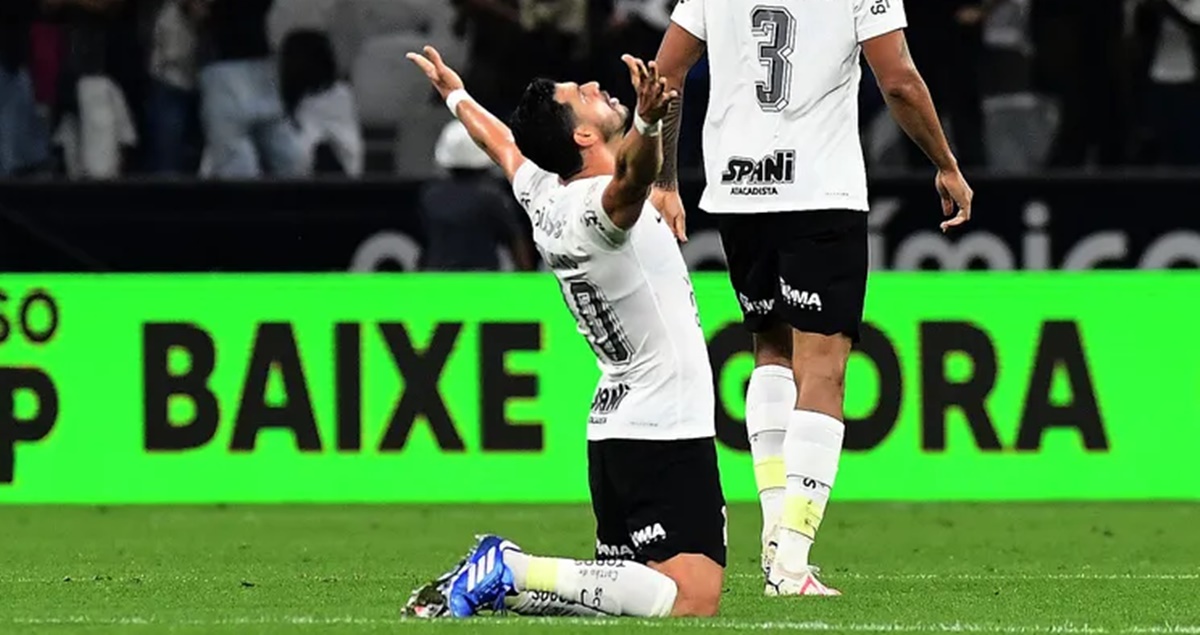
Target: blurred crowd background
(236,89)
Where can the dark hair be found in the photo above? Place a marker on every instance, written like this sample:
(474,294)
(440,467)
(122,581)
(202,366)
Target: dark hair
(307,67)
(545,130)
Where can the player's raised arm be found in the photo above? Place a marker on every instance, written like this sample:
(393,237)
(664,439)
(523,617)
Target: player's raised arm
(680,51)
(640,155)
(485,129)
(912,107)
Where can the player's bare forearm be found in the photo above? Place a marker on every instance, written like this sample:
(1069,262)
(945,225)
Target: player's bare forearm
(680,51)
(913,110)
(908,97)
(492,135)
(668,176)
(639,158)
(486,130)
(638,162)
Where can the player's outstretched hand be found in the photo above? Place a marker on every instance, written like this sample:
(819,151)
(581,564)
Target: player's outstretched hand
(955,192)
(443,78)
(670,205)
(653,98)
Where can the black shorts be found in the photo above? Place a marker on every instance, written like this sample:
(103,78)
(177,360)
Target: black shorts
(807,269)
(654,500)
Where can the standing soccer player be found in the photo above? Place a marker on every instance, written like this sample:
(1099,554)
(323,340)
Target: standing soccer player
(785,173)
(652,463)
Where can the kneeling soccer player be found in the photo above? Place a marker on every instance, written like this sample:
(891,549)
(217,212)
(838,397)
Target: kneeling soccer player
(656,492)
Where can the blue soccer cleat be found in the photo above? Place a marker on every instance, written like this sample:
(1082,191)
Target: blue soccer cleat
(479,582)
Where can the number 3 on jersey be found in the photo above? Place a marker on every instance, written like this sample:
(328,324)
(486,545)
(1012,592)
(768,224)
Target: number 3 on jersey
(598,321)
(779,27)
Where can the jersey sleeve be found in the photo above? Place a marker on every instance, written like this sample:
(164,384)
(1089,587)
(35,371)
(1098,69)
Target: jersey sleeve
(591,225)
(689,14)
(529,182)
(873,18)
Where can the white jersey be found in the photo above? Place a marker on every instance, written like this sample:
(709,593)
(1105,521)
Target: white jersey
(782,127)
(633,300)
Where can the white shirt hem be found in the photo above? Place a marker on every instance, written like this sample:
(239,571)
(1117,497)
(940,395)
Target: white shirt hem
(883,29)
(774,207)
(690,29)
(664,436)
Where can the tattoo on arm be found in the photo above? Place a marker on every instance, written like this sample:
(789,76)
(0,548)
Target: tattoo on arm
(668,176)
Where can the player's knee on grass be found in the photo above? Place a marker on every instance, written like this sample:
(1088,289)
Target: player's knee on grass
(698,581)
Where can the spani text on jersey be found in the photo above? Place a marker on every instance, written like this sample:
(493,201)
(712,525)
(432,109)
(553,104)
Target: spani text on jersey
(749,177)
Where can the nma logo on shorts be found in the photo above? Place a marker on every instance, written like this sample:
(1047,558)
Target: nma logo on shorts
(622,552)
(756,307)
(802,299)
(647,535)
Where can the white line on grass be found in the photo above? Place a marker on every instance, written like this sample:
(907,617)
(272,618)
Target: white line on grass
(1067,628)
(994,576)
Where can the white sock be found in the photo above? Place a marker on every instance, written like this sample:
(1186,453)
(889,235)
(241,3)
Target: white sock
(811,452)
(770,400)
(548,604)
(612,587)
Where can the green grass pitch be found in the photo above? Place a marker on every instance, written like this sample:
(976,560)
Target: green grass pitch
(1014,568)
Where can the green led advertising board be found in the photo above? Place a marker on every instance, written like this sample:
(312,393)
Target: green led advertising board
(392,388)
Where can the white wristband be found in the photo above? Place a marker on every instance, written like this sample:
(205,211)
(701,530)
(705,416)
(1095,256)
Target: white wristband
(645,129)
(455,98)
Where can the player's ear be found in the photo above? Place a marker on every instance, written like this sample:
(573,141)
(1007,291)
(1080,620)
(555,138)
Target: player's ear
(586,136)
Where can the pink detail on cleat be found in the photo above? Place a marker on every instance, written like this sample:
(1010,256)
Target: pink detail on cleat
(807,584)
(813,586)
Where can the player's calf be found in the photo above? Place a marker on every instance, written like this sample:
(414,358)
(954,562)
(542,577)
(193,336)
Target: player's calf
(770,399)
(819,365)
(607,587)
(687,585)
(698,581)
(812,450)
(496,575)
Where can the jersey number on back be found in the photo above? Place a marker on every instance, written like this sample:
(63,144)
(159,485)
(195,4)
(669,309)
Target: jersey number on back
(779,27)
(599,322)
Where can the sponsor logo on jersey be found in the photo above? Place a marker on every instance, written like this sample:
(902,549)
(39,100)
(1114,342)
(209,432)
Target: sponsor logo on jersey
(802,299)
(647,535)
(609,398)
(590,218)
(756,307)
(749,177)
(881,7)
(559,262)
(547,223)
(621,552)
